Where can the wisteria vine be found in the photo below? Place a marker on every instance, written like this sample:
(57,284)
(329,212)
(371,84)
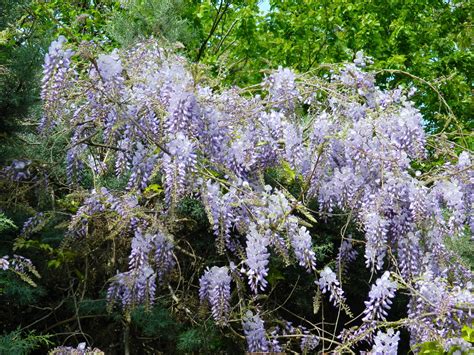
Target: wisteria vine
(143,115)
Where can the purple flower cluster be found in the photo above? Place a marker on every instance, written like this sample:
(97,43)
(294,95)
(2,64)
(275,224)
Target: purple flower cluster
(92,205)
(254,331)
(346,254)
(214,287)
(143,168)
(221,213)
(56,68)
(458,346)
(183,114)
(380,298)
(439,310)
(177,165)
(163,257)
(257,259)
(302,245)
(81,349)
(138,285)
(328,283)
(133,287)
(308,342)
(4,263)
(386,343)
(22,266)
(282,89)
(376,234)
(109,66)
(409,255)
(18,170)
(32,223)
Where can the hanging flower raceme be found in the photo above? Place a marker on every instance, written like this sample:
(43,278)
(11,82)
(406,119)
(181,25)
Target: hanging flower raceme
(4,263)
(133,288)
(346,254)
(109,65)
(143,164)
(163,257)
(177,164)
(386,343)
(221,213)
(302,245)
(257,259)
(254,331)
(328,283)
(138,285)
(56,68)
(282,89)
(214,287)
(380,298)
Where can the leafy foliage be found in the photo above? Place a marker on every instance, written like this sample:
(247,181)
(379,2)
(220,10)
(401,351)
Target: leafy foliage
(16,342)
(138,19)
(5,223)
(408,40)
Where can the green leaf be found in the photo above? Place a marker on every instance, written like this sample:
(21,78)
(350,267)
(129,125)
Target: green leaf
(430,347)
(468,333)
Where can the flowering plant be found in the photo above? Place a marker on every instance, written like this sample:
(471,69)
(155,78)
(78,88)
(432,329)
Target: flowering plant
(348,148)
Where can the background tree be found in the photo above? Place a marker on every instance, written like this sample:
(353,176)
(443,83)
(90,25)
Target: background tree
(428,39)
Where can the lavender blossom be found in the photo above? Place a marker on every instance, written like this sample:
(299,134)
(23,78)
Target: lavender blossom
(405,131)
(282,89)
(328,283)
(380,296)
(214,286)
(164,257)
(302,245)
(255,333)
(177,165)
(257,259)
(409,255)
(376,234)
(81,349)
(92,204)
(450,192)
(56,68)
(458,346)
(32,223)
(142,168)
(22,265)
(346,254)
(109,66)
(133,288)
(18,170)
(386,343)
(274,345)
(438,308)
(138,285)
(221,213)
(295,151)
(241,159)
(4,263)
(183,113)
(141,247)
(308,342)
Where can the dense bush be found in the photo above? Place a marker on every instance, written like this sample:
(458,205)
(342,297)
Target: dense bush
(200,202)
